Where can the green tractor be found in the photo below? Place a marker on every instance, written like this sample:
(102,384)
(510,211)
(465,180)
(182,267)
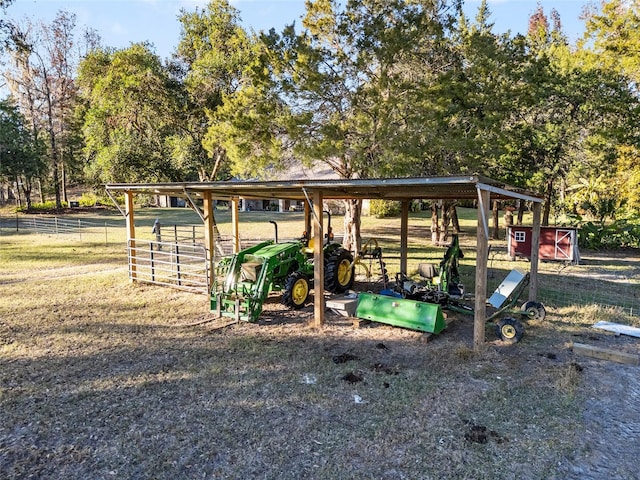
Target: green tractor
(243,281)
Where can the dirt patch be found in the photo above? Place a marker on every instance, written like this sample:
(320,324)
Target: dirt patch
(481,434)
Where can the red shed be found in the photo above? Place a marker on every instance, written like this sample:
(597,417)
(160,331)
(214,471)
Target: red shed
(556,243)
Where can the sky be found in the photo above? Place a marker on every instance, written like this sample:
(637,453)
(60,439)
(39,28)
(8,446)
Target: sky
(122,22)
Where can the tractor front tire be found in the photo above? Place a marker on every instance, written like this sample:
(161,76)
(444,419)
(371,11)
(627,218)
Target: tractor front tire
(339,271)
(533,310)
(509,330)
(296,290)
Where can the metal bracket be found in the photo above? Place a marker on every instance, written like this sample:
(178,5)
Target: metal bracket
(304,190)
(115,202)
(485,224)
(193,205)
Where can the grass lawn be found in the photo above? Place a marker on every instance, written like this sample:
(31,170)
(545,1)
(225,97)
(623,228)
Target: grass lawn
(102,378)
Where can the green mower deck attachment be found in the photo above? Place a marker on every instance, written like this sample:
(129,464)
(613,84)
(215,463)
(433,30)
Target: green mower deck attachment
(400,312)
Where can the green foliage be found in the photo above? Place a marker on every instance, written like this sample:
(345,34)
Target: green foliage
(594,196)
(212,56)
(129,117)
(40,207)
(368,88)
(385,208)
(22,158)
(613,37)
(91,199)
(624,233)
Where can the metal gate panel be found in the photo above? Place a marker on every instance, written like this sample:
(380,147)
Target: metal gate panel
(182,266)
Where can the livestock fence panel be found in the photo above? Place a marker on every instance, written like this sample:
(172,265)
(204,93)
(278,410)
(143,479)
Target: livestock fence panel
(178,265)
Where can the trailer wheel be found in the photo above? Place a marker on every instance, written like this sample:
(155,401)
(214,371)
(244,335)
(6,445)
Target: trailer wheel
(534,310)
(296,290)
(509,330)
(339,271)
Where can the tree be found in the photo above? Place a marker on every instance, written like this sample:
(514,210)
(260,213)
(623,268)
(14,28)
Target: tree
(4,4)
(130,104)
(569,116)
(209,62)
(341,92)
(613,37)
(611,45)
(21,156)
(44,59)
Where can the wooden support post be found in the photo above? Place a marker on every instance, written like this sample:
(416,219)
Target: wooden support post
(318,261)
(482,251)
(209,239)
(131,234)
(535,252)
(404,229)
(234,224)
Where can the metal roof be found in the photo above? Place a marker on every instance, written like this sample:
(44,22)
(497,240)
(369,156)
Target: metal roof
(449,187)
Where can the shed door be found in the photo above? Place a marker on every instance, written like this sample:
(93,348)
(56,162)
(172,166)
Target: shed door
(564,245)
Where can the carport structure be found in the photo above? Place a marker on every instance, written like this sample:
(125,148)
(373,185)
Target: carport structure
(313,193)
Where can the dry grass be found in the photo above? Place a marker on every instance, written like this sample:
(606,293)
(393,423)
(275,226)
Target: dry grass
(99,379)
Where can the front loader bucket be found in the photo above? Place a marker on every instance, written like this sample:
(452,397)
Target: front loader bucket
(400,312)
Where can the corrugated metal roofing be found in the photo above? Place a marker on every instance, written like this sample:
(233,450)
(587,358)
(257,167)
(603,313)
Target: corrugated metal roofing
(449,187)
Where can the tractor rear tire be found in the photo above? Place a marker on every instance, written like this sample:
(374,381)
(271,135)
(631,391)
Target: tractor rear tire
(296,290)
(533,310)
(509,330)
(339,271)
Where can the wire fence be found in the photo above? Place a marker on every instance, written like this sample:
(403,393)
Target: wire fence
(590,284)
(78,228)
(610,281)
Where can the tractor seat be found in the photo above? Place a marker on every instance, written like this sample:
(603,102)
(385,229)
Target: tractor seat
(308,250)
(250,270)
(428,271)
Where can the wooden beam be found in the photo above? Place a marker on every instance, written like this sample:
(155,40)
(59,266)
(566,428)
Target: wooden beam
(535,252)
(131,234)
(234,224)
(606,354)
(318,261)
(404,229)
(482,251)
(209,239)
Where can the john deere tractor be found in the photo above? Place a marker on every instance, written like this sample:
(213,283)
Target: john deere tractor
(244,280)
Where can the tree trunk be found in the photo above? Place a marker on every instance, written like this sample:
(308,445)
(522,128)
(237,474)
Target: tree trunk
(455,222)
(64,183)
(548,196)
(435,224)
(444,223)
(56,185)
(40,191)
(521,206)
(17,192)
(352,240)
(496,221)
(26,189)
